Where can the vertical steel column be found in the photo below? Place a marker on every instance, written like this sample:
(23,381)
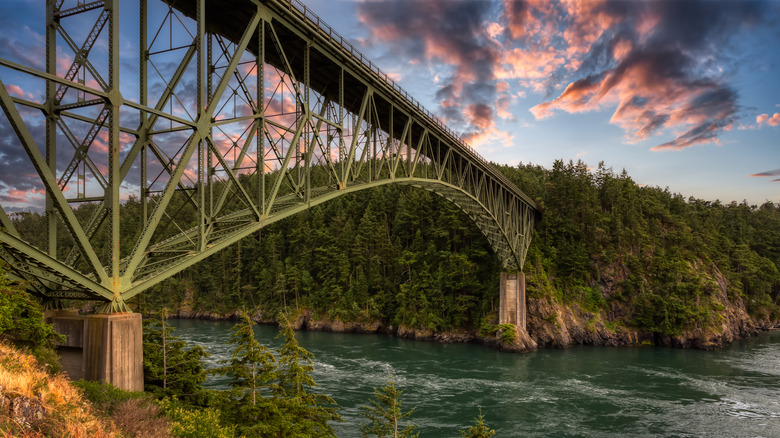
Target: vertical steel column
(342,156)
(201,102)
(390,148)
(114,178)
(52,6)
(308,142)
(143,57)
(208,171)
(260,174)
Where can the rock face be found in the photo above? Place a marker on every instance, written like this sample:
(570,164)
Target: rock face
(551,324)
(22,410)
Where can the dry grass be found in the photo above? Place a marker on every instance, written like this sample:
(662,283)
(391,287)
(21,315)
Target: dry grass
(141,418)
(65,412)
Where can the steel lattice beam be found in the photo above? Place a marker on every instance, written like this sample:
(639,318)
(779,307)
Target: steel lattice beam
(286,115)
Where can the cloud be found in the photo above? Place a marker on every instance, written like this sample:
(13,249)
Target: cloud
(659,66)
(768,173)
(17,91)
(442,32)
(771,121)
(658,63)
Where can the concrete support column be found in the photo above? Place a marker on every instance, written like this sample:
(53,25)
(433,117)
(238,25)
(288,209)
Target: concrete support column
(512,299)
(113,350)
(102,347)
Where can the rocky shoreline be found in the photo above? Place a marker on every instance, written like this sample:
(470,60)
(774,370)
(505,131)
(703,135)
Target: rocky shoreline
(550,325)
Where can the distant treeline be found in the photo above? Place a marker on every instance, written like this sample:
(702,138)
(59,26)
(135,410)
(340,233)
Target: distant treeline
(641,256)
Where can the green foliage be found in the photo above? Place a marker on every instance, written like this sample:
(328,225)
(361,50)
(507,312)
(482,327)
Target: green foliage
(22,322)
(402,256)
(487,329)
(593,301)
(195,423)
(478,430)
(384,414)
(272,397)
(21,317)
(393,254)
(171,368)
(105,396)
(664,258)
(508,333)
(307,412)
(251,366)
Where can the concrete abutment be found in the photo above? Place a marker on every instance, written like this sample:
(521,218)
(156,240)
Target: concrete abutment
(512,299)
(101,347)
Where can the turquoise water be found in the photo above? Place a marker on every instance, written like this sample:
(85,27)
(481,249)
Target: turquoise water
(581,391)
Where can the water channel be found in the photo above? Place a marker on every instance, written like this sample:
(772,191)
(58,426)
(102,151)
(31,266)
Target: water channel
(581,391)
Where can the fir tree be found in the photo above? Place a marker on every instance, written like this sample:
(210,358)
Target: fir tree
(384,414)
(306,413)
(479,430)
(252,366)
(170,368)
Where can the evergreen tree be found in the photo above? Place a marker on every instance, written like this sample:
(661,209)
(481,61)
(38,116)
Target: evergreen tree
(384,414)
(22,322)
(479,430)
(306,413)
(252,366)
(21,317)
(170,368)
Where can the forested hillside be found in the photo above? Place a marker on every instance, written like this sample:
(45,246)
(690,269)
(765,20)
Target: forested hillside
(648,260)
(609,258)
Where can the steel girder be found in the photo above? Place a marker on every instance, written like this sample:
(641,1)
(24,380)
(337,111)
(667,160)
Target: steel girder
(285,115)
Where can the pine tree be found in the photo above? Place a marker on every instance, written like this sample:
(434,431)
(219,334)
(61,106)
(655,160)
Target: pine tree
(384,414)
(252,368)
(306,413)
(169,366)
(252,365)
(479,430)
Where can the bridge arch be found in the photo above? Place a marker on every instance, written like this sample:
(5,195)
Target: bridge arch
(315,119)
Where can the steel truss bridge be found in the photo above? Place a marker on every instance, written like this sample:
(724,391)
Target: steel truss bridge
(238,113)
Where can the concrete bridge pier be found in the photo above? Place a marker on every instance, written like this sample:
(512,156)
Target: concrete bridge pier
(101,347)
(511,308)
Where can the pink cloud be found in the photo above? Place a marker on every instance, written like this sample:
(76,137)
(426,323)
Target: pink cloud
(641,60)
(489,135)
(775,172)
(23,197)
(17,91)
(771,121)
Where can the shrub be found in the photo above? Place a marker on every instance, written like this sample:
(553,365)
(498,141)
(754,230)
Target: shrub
(487,329)
(21,317)
(508,333)
(105,396)
(195,423)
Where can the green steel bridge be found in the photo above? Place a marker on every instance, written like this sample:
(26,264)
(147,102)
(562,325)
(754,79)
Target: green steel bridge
(238,113)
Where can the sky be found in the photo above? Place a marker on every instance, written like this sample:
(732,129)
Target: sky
(680,94)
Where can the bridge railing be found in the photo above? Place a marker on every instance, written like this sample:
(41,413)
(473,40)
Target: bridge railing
(347,46)
(328,31)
